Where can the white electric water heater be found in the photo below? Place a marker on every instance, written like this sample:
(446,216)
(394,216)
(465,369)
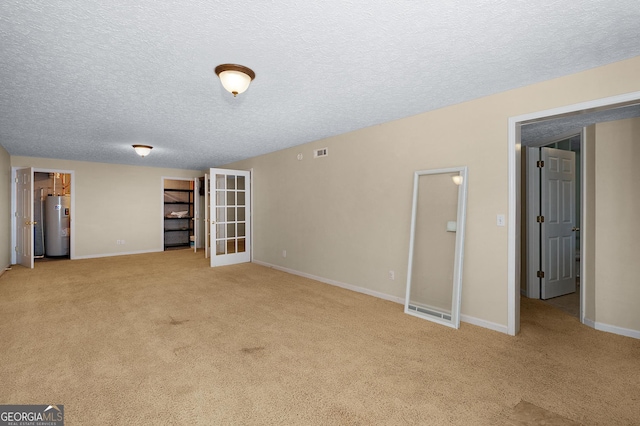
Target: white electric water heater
(57,225)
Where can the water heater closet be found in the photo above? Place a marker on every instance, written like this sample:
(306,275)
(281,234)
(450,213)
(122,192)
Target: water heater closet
(52,214)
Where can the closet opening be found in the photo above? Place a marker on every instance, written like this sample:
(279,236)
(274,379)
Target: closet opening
(51,216)
(179,214)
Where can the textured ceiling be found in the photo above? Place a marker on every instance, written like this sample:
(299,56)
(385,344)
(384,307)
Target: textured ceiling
(84,79)
(542,131)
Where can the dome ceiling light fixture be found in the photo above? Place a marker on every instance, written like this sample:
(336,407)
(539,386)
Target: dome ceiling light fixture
(142,150)
(235,78)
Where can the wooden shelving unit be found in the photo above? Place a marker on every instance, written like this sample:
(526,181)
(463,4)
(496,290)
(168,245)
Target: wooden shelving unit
(178,217)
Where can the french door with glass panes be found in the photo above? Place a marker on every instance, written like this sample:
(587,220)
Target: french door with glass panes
(230,210)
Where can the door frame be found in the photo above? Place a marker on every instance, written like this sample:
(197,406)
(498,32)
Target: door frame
(72,221)
(514,147)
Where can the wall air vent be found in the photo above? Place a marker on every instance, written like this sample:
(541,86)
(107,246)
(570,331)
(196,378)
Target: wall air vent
(322,152)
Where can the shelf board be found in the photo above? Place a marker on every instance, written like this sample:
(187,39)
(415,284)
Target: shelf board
(178,230)
(177,245)
(177,190)
(178,202)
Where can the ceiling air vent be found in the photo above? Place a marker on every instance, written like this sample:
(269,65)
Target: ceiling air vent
(322,152)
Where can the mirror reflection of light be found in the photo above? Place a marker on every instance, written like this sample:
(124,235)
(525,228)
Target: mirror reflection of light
(457,179)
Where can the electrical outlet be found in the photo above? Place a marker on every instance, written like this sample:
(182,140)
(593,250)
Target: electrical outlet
(118,242)
(500,220)
(392,275)
(284,253)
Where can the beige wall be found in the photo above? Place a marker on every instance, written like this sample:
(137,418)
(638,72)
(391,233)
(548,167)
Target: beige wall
(113,202)
(346,217)
(617,235)
(5,209)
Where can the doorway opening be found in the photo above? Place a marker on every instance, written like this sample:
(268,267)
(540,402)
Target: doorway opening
(515,182)
(552,216)
(179,214)
(42,223)
(51,214)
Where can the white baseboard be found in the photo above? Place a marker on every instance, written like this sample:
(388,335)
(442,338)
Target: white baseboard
(465,318)
(612,329)
(335,283)
(123,253)
(484,324)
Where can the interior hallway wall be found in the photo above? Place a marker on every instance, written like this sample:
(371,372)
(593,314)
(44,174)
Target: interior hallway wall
(346,217)
(113,202)
(617,237)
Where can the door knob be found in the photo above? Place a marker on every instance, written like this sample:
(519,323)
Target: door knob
(575,229)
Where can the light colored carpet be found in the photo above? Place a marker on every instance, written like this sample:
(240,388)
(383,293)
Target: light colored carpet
(526,414)
(164,339)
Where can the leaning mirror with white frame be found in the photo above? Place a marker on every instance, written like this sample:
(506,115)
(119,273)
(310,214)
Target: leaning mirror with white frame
(436,245)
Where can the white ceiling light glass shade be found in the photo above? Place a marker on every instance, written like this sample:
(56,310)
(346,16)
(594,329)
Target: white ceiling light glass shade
(235,78)
(457,180)
(142,150)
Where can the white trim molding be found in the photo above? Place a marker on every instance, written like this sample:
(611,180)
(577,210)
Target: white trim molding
(351,287)
(621,331)
(484,324)
(464,318)
(124,253)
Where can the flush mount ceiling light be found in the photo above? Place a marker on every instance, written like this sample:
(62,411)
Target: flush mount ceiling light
(235,78)
(457,180)
(142,150)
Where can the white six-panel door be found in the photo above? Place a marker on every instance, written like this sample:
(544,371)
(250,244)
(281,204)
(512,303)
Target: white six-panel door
(24,217)
(230,211)
(558,228)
